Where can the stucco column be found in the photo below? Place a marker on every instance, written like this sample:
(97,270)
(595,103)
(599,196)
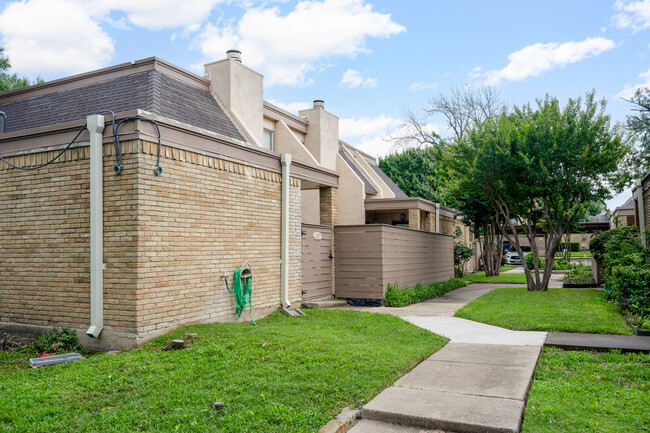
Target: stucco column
(328,205)
(414,219)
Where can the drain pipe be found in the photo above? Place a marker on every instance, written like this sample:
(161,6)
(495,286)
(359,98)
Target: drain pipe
(285,159)
(437,217)
(96,128)
(640,206)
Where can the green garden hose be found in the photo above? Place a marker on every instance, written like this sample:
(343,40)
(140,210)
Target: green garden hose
(242,294)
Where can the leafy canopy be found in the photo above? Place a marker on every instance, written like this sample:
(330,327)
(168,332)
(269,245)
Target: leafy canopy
(11,81)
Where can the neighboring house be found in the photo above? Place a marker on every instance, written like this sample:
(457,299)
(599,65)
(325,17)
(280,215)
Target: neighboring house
(168,238)
(641,195)
(624,215)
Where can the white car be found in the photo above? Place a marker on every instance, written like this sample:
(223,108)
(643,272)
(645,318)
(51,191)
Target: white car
(512,257)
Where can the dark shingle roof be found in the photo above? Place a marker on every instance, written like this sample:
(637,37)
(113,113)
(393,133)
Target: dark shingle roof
(388,181)
(366,182)
(150,91)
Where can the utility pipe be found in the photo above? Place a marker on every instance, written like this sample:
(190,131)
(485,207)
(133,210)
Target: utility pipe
(95,124)
(437,217)
(640,204)
(285,159)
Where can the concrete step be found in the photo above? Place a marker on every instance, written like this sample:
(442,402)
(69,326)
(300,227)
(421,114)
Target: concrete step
(373,426)
(598,342)
(325,303)
(445,410)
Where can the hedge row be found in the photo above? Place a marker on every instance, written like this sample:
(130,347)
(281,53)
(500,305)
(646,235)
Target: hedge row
(401,297)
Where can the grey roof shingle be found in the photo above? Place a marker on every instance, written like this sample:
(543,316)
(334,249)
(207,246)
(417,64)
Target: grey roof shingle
(150,91)
(366,182)
(388,181)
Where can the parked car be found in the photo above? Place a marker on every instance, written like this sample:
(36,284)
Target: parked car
(512,257)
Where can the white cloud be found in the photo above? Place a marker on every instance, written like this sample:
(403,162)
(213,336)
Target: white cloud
(292,107)
(353,79)
(366,126)
(285,48)
(534,59)
(66,36)
(421,85)
(160,14)
(53,36)
(629,89)
(633,14)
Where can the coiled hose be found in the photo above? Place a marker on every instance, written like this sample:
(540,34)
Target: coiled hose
(242,293)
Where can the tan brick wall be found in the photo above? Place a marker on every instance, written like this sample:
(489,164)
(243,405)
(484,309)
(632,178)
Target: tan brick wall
(44,242)
(646,207)
(167,240)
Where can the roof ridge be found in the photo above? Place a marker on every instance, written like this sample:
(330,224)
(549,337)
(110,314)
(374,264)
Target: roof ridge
(153,92)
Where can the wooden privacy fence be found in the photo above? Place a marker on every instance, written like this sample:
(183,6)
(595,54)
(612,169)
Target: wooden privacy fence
(368,257)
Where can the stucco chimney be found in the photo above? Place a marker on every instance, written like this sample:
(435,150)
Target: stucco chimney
(240,91)
(322,138)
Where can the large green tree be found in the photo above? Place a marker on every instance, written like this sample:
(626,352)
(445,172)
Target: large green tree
(540,166)
(417,171)
(639,124)
(11,81)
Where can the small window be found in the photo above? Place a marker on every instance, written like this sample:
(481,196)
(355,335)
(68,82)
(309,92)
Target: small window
(268,139)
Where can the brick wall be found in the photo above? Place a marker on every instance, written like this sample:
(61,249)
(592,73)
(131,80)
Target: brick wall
(167,240)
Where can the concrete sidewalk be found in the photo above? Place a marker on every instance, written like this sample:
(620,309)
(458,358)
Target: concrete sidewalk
(476,383)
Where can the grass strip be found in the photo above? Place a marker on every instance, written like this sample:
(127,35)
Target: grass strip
(401,297)
(480,277)
(287,375)
(559,310)
(575,392)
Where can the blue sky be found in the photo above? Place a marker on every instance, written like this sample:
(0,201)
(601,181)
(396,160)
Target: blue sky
(367,59)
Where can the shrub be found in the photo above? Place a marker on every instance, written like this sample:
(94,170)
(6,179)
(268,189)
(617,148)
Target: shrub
(629,285)
(573,246)
(579,274)
(396,297)
(529,262)
(558,265)
(612,247)
(462,253)
(56,339)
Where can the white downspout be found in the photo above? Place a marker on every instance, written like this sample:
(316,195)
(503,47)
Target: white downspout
(437,217)
(284,271)
(639,203)
(95,124)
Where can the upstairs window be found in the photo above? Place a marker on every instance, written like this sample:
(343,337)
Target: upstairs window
(268,139)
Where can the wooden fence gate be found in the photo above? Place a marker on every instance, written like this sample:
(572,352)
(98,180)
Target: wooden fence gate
(316,261)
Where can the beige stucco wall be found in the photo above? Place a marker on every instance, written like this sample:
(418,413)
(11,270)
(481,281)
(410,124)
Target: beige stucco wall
(240,90)
(351,196)
(384,191)
(310,206)
(322,137)
(285,141)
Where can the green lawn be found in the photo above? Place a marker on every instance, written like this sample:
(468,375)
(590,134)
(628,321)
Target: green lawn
(287,375)
(575,254)
(575,392)
(566,310)
(502,278)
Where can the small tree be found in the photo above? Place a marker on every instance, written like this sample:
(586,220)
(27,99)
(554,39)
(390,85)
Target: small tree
(539,166)
(462,253)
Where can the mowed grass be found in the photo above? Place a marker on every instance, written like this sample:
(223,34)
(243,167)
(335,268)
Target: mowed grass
(502,278)
(559,310)
(576,392)
(287,375)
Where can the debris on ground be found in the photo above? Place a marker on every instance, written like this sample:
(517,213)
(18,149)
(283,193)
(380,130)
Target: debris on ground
(8,342)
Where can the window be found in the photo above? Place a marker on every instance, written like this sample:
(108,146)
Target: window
(268,139)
